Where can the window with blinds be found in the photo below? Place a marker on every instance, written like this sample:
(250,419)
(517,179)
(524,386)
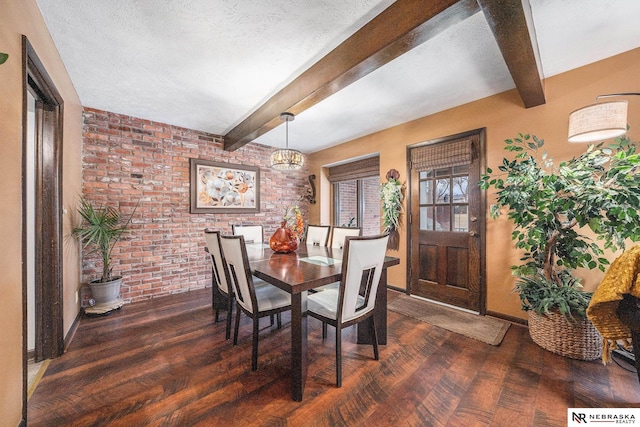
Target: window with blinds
(356,201)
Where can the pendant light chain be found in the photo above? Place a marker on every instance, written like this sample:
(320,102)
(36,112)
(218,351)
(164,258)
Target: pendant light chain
(286,140)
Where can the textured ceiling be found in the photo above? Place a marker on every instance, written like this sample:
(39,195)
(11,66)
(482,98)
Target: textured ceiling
(207,64)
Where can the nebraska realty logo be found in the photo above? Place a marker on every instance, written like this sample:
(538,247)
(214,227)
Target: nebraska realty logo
(602,416)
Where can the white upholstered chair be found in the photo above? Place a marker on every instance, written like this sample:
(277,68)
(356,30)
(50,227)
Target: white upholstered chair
(354,299)
(219,276)
(337,241)
(317,235)
(254,301)
(339,233)
(251,233)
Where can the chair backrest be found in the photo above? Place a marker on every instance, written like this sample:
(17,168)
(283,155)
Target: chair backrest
(217,259)
(339,234)
(317,235)
(362,265)
(239,272)
(251,233)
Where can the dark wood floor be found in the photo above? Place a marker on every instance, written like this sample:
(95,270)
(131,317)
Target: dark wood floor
(165,362)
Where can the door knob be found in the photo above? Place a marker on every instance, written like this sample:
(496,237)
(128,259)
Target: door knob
(473,219)
(473,233)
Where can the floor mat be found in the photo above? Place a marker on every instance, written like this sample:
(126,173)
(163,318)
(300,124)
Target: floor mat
(482,328)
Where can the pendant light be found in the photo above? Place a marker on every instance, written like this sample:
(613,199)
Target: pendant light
(285,158)
(599,121)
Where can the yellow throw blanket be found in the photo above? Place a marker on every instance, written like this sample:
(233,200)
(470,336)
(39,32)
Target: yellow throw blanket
(622,277)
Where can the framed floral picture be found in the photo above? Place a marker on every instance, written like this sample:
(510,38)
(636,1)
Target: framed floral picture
(224,187)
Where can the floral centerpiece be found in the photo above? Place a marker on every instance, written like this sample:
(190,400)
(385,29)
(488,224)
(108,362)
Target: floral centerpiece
(286,237)
(392,195)
(293,220)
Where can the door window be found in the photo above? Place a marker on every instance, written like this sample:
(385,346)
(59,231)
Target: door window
(444,200)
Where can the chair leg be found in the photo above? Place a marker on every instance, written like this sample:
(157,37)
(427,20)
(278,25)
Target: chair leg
(338,356)
(254,351)
(235,333)
(376,355)
(229,311)
(279,317)
(217,313)
(324,330)
(272,322)
(213,300)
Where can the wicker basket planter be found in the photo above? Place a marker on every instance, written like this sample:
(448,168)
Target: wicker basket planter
(577,340)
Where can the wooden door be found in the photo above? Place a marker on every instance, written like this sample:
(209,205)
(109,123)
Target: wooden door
(447,222)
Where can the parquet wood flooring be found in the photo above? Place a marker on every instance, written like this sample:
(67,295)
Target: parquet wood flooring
(165,362)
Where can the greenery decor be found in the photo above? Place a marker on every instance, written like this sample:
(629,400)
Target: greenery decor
(551,206)
(3,57)
(101,228)
(392,195)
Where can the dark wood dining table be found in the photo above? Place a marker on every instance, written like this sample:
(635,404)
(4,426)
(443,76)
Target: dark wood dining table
(301,271)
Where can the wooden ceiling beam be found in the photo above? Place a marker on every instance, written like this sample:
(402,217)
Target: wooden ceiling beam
(399,28)
(512,26)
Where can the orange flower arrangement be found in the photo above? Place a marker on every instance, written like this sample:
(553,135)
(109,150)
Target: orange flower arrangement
(293,220)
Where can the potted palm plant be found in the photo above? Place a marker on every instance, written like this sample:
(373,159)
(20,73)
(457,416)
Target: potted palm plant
(552,208)
(101,228)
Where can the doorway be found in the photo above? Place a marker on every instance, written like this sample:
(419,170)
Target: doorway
(41,214)
(446,242)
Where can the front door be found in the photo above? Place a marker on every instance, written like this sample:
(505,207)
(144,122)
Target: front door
(447,221)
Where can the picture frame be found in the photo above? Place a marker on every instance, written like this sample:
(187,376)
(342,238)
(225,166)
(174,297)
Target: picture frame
(219,187)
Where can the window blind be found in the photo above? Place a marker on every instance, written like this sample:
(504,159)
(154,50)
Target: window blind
(444,155)
(355,170)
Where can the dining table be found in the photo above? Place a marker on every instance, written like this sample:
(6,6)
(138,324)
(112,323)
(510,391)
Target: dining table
(301,271)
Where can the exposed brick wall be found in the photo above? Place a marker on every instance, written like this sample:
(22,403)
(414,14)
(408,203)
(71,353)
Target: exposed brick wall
(127,160)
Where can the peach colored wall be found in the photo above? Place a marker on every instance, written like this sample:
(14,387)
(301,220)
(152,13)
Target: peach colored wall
(504,117)
(18,18)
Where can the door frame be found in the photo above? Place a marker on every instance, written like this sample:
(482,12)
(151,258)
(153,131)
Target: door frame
(482,218)
(49,335)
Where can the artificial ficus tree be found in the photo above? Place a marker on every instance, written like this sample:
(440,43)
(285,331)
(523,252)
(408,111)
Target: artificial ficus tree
(551,206)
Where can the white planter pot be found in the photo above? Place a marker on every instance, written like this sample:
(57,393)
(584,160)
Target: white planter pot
(106,292)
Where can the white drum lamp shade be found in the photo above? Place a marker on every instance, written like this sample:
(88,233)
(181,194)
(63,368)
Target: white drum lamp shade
(598,122)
